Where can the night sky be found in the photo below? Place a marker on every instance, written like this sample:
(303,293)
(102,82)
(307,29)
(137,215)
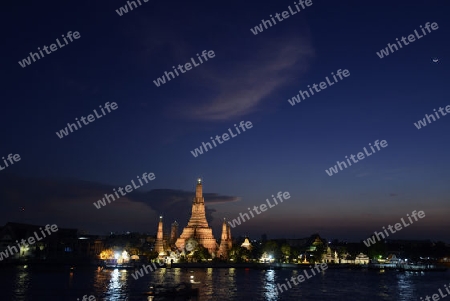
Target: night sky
(251,77)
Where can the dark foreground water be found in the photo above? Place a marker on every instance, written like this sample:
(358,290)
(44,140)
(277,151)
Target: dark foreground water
(23,284)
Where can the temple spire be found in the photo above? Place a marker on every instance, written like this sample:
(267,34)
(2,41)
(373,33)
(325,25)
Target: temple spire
(159,244)
(225,242)
(198,227)
(199,191)
(224,230)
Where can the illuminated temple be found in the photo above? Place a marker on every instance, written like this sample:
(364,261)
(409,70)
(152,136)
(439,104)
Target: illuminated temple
(198,230)
(225,242)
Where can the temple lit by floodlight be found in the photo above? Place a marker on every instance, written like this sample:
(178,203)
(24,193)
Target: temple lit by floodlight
(198,228)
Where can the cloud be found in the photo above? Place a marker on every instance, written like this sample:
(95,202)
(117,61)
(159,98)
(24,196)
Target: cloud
(214,198)
(69,204)
(177,204)
(245,71)
(240,88)
(393,194)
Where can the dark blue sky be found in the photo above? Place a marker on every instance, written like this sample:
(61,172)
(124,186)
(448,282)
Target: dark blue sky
(250,78)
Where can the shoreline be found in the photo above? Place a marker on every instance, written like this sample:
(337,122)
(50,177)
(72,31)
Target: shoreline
(82,264)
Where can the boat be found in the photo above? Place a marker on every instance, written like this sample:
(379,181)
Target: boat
(129,266)
(183,290)
(382,266)
(422,268)
(274,267)
(410,267)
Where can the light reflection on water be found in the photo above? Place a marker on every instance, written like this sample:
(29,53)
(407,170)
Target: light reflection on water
(208,285)
(406,289)
(270,286)
(114,287)
(115,281)
(22,283)
(231,284)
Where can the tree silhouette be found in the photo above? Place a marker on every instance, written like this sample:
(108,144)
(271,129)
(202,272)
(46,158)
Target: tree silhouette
(286,250)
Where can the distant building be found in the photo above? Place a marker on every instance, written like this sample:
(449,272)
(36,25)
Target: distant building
(331,257)
(62,244)
(309,243)
(246,244)
(362,259)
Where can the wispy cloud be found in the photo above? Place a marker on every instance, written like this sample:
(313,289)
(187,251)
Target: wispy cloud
(244,72)
(241,88)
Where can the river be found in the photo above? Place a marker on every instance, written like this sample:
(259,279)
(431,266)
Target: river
(23,284)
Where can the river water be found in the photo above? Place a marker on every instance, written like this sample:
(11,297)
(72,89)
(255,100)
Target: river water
(23,284)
